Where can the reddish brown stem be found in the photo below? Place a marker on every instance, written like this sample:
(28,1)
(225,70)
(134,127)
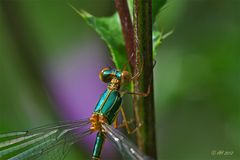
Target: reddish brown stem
(127,29)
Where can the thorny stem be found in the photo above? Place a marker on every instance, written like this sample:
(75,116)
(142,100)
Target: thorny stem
(144,106)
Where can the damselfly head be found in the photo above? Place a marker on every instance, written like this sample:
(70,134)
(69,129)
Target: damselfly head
(114,76)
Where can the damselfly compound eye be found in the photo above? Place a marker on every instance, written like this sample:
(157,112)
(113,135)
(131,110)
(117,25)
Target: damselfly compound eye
(106,75)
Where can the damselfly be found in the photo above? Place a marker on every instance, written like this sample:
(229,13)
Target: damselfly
(53,141)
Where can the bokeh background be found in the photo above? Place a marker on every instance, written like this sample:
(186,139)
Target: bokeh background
(50,59)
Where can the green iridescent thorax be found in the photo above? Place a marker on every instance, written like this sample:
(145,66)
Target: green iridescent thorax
(109,104)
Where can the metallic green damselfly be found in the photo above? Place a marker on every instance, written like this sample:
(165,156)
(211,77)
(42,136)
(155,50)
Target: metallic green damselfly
(53,141)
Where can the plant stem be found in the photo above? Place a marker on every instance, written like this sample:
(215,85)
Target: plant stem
(144,106)
(138,40)
(127,29)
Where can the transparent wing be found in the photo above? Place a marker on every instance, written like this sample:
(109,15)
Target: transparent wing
(123,144)
(48,142)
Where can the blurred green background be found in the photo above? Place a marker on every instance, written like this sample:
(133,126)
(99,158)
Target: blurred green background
(197,74)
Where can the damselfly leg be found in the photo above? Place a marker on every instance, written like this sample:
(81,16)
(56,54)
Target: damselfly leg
(125,123)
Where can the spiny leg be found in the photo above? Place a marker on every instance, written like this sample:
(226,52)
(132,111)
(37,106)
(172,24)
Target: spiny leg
(116,125)
(144,94)
(126,123)
(136,75)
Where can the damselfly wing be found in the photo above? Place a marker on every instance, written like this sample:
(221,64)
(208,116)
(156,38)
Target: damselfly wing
(51,142)
(127,149)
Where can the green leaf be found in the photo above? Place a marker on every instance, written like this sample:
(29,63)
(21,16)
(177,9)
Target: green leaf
(157,35)
(156,6)
(109,29)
